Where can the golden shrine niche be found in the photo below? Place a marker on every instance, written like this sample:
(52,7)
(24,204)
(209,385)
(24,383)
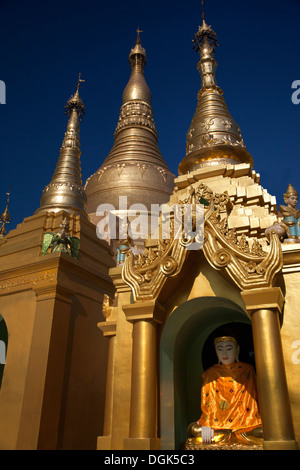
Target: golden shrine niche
(171,313)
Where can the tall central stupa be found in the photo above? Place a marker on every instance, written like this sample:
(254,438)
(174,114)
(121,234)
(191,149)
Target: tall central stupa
(134,167)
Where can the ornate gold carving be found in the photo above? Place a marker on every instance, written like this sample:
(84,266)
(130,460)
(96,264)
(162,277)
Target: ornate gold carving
(168,266)
(136,113)
(247,268)
(107,305)
(27,282)
(221,258)
(244,259)
(147,278)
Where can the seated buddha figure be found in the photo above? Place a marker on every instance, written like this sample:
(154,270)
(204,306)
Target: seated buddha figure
(291,215)
(229,400)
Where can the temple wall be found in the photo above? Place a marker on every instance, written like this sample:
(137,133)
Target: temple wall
(53,387)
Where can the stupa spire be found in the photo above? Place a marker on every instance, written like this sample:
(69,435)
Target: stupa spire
(213,137)
(5,217)
(135,137)
(137,88)
(65,191)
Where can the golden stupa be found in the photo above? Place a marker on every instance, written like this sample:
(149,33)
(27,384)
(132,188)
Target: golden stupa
(65,190)
(134,167)
(110,357)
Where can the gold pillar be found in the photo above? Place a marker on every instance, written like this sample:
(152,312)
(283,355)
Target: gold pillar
(143,386)
(108,329)
(145,317)
(263,306)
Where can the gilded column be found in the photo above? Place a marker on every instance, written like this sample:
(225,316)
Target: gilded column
(108,329)
(145,317)
(264,306)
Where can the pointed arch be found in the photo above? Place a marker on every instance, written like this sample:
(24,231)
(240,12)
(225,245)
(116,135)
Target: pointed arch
(181,365)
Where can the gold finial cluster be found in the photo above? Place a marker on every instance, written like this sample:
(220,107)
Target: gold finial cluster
(5,217)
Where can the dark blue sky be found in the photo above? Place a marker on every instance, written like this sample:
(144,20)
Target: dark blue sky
(44,45)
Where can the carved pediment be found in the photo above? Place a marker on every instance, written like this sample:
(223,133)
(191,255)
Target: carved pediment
(246,261)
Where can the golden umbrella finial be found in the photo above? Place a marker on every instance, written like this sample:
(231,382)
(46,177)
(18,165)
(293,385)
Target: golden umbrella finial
(75,102)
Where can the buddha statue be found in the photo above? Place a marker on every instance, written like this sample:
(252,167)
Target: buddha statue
(291,215)
(229,400)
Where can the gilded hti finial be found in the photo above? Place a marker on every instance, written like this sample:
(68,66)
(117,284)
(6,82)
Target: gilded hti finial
(75,101)
(205,43)
(5,217)
(137,57)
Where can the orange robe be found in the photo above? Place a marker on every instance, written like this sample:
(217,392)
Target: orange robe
(229,398)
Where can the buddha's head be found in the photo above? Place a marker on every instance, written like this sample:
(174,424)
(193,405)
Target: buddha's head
(227,349)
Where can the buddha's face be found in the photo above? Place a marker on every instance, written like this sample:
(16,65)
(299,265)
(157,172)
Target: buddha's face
(292,201)
(227,352)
